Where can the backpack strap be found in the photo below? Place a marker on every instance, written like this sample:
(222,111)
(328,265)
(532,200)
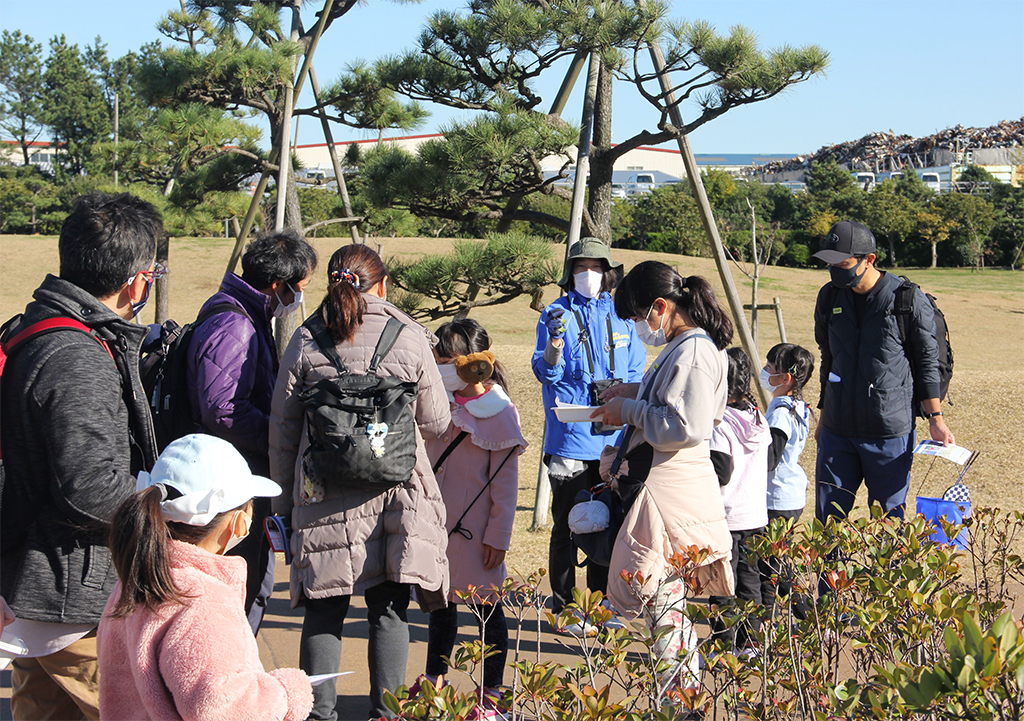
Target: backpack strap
(458,528)
(47,326)
(315,325)
(385,343)
(224,307)
(903,308)
(448,451)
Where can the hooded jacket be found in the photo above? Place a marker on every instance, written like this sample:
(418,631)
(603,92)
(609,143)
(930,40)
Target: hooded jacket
(76,429)
(347,540)
(867,381)
(565,374)
(196,661)
(232,367)
(744,435)
(492,422)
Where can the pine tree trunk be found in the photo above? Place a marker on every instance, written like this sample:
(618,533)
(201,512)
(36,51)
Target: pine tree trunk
(599,204)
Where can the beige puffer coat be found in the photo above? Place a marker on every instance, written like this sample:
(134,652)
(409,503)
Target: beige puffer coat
(346,541)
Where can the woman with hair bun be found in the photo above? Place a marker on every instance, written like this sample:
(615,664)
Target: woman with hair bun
(666,480)
(347,538)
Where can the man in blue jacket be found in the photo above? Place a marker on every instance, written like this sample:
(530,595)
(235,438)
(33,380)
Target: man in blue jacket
(580,340)
(868,382)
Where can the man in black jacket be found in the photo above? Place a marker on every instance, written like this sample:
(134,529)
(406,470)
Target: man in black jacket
(868,383)
(75,430)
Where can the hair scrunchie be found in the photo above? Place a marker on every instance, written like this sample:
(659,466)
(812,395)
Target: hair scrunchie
(336,276)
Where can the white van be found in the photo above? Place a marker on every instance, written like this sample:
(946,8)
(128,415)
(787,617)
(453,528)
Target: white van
(931,181)
(640,183)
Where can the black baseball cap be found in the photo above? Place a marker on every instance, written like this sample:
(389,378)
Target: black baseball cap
(846,239)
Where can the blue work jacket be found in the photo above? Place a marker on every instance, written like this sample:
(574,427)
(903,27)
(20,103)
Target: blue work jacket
(569,378)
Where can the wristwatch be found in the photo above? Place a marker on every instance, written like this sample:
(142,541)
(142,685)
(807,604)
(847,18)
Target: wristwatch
(929,416)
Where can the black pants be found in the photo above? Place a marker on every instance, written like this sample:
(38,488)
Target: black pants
(748,587)
(444,628)
(387,653)
(259,562)
(776,579)
(561,551)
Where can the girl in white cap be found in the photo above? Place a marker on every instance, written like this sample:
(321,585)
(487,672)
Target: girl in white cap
(174,642)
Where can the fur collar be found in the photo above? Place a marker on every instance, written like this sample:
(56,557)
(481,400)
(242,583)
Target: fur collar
(490,404)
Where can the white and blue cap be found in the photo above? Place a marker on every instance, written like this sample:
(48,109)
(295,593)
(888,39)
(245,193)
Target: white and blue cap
(211,476)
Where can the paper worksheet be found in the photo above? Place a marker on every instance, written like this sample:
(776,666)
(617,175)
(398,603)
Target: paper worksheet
(319,679)
(957,454)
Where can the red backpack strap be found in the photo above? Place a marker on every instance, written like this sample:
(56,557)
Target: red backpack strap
(51,324)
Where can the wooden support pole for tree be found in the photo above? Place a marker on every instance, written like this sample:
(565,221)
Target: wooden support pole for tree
(706,214)
(778,319)
(333,152)
(543,497)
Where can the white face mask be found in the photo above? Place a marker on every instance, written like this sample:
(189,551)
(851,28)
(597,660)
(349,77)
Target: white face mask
(588,283)
(764,378)
(647,335)
(451,379)
(282,310)
(235,540)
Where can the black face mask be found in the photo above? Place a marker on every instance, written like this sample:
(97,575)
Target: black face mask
(846,277)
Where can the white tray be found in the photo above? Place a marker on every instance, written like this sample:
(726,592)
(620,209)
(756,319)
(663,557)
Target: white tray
(575,414)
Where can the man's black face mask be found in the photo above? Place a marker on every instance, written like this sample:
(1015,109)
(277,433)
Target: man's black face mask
(846,277)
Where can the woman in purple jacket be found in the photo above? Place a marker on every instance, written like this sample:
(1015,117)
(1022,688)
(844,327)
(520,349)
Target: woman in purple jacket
(232,369)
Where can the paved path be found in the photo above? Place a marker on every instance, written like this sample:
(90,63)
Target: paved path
(279,647)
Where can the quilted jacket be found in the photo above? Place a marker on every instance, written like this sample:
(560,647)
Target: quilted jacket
(231,371)
(866,378)
(76,429)
(347,540)
(196,660)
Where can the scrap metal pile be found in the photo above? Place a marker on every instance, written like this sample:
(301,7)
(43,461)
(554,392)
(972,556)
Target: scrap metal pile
(887,151)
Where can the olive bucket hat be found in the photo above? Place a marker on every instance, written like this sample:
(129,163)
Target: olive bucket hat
(586,248)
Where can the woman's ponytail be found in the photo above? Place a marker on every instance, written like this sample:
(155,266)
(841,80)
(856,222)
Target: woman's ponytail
(696,297)
(353,270)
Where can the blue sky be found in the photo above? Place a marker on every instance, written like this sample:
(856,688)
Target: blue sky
(911,66)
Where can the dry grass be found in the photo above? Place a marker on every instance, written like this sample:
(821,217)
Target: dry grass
(985,313)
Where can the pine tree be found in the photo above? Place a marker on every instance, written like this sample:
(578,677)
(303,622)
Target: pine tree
(21,89)
(75,111)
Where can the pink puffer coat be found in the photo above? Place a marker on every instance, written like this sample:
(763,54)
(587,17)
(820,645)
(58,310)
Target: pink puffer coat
(346,541)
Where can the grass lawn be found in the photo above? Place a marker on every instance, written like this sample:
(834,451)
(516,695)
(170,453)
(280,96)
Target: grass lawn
(984,310)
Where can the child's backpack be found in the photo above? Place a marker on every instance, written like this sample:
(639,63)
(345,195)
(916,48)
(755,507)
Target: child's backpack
(164,368)
(903,309)
(361,428)
(13,336)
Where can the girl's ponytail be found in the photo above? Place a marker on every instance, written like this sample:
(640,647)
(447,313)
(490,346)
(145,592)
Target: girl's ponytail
(140,551)
(138,548)
(696,297)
